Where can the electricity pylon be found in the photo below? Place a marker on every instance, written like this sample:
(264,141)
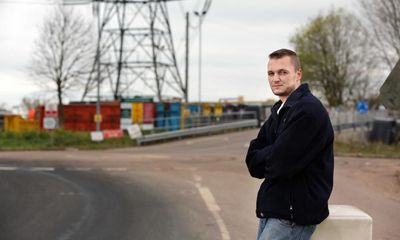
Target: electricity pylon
(137,50)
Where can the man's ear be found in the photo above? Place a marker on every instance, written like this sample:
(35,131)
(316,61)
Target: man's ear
(299,74)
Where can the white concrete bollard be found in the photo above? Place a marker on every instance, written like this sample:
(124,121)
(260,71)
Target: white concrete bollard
(344,223)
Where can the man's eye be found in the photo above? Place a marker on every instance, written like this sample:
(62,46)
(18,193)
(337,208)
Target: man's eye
(270,74)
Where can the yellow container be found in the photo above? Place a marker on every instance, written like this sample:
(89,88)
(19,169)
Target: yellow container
(185,113)
(206,109)
(15,123)
(137,112)
(218,110)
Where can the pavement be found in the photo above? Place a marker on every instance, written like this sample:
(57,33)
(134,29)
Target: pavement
(196,188)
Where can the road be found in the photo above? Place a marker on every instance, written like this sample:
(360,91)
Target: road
(189,189)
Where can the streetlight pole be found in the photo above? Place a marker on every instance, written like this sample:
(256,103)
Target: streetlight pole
(98,110)
(201,15)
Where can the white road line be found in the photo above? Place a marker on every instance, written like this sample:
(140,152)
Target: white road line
(213,207)
(80,169)
(42,169)
(198,178)
(110,169)
(4,168)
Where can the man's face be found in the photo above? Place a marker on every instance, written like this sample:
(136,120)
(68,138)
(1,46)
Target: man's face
(282,76)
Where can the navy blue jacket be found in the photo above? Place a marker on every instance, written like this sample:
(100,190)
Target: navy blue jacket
(293,153)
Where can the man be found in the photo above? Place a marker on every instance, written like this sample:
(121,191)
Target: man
(293,153)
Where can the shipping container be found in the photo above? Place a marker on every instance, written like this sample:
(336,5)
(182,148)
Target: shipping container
(148,116)
(15,123)
(186,119)
(194,108)
(160,115)
(218,110)
(1,122)
(39,116)
(137,112)
(174,115)
(126,114)
(206,109)
(80,116)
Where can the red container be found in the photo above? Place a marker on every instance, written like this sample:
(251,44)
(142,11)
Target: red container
(39,115)
(148,113)
(80,116)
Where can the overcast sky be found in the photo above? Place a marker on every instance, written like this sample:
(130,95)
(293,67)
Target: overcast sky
(237,37)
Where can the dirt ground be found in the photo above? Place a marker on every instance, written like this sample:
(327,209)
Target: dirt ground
(372,185)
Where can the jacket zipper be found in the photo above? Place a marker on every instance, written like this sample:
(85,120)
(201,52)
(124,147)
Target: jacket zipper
(291,211)
(290,203)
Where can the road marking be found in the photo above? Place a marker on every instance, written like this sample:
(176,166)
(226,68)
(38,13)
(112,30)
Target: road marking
(44,169)
(212,206)
(8,168)
(198,178)
(111,169)
(80,169)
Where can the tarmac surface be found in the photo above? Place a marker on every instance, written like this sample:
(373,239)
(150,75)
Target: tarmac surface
(188,189)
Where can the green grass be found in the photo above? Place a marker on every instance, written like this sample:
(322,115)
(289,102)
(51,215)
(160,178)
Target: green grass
(59,139)
(358,149)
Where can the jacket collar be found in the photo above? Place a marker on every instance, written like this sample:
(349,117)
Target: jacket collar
(293,97)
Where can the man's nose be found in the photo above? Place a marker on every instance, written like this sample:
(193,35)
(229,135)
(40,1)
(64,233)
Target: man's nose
(276,78)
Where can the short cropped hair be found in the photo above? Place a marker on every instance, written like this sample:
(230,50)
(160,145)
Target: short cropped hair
(286,52)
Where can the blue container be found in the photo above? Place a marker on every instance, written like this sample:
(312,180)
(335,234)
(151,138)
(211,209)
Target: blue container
(194,108)
(174,115)
(160,115)
(175,107)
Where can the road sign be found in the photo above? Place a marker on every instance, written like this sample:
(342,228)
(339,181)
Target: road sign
(51,110)
(117,133)
(134,131)
(49,123)
(389,92)
(98,118)
(362,106)
(97,136)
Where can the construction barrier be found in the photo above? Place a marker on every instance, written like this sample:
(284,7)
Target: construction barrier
(344,223)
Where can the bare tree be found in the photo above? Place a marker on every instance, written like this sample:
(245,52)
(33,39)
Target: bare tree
(331,53)
(63,53)
(381,26)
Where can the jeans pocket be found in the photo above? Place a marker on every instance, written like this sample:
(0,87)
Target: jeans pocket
(285,222)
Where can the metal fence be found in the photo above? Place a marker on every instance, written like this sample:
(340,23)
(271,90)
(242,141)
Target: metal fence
(177,127)
(342,120)
(197,131)
(162,124)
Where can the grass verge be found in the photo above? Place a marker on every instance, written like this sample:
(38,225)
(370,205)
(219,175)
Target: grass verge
(357,149)
(58,140)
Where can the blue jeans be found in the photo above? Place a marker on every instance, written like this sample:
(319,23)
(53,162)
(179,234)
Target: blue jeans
(280,229)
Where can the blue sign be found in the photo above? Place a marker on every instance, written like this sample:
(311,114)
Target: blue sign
(362,107)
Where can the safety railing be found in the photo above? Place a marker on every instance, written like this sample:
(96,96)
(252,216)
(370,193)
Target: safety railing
(238,124)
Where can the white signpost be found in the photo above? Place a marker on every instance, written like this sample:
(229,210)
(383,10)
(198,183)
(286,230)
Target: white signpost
(134,131)
(50,116)
(49,123)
